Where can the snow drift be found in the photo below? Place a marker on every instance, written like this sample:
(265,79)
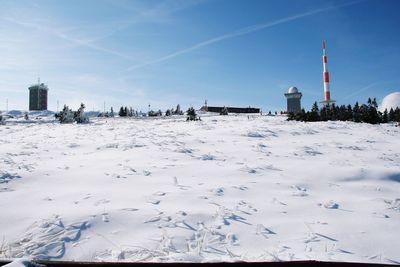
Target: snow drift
(222,189)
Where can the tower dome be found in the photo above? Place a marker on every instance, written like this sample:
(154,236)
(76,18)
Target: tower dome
(391,101)
(293,90)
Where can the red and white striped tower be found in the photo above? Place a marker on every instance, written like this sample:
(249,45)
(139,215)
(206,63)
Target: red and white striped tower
(327,93)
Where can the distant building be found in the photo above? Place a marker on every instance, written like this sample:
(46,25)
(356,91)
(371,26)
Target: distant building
(38,96)
(230,109)
(293,97)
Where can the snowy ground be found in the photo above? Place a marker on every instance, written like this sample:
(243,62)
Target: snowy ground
(225,188)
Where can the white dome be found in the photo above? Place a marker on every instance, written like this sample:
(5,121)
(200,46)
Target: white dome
(293,90)
(390,101)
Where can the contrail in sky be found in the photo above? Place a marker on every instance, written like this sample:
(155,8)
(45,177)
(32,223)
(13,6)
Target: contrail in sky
(361,90)
(63,36)
(237,33)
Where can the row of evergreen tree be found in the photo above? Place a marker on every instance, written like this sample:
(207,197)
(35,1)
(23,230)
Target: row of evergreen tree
(173,111)
(125,112)
(358,113)
(129,112)
(66,115)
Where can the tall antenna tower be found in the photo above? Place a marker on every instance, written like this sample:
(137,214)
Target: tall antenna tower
(327,94)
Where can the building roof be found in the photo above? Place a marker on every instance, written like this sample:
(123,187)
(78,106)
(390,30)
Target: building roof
(293,90)
(41,86)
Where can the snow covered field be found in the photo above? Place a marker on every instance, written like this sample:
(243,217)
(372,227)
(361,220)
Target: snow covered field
(222,189)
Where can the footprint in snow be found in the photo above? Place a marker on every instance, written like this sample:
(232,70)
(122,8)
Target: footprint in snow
(207,157)
(101,201)
(277,201)
(153,219)
(330,205)
(245,207)
(299,191)
(87,196)
(154,201)
(240,187)
(129,209)
(181,212)
(218,191)
(118,176)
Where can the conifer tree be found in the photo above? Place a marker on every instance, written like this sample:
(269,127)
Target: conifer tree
(178,110)
(191,114)
(364,113)
(121,112)
(397,115)
(314,114)
(224,111)
(391,115)
(374,103)
(1,119)
(334,112)
(80,116)
(291,116)
(349,113)
(385,117)
(323,114)
(356,113)
(372,116)
(301,116)
(66,115)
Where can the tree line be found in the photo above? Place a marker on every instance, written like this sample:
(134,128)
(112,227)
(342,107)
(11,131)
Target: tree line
(367,113)
(129,112)
(66,115)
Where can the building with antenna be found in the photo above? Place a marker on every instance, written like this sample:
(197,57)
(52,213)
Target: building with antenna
(38,96)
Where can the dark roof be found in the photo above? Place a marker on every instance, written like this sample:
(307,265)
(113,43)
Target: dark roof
(231,109)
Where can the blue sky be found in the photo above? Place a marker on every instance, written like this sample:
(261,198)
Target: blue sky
(230,52)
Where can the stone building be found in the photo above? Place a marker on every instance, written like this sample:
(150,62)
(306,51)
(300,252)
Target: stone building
(293,97)
(38,96)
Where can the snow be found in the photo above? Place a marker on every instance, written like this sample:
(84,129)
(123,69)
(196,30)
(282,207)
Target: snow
(33,116)
(226,188)
(390,101)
